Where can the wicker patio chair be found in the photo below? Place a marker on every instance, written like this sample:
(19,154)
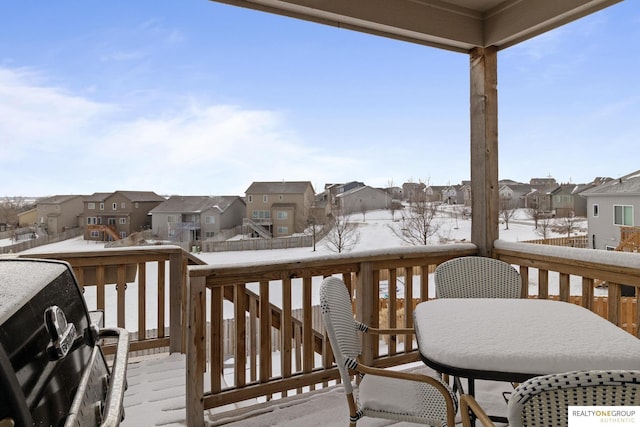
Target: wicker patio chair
(477,277)
(545,400)
(381,393)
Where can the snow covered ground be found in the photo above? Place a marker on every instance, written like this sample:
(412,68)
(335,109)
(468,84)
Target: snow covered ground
(374,233)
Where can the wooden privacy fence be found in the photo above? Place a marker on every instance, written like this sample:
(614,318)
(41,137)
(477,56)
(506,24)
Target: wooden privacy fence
(229,328)
(573,242)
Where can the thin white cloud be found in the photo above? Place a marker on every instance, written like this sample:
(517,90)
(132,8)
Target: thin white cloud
(194,149)
(33,115)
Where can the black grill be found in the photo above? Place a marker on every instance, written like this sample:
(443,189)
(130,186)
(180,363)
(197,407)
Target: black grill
(52,370)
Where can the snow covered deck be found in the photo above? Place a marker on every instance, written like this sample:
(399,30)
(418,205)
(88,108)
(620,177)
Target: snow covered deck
(156,397)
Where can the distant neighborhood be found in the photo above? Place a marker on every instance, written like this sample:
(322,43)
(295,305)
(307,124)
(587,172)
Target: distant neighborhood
(286,209)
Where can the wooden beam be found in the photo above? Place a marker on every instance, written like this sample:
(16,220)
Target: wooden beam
(484,148)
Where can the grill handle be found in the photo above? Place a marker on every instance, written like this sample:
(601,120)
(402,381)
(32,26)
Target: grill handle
(118,383)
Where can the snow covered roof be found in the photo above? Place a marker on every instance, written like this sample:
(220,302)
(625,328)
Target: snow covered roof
(282,187)
(628,185)
(194,204)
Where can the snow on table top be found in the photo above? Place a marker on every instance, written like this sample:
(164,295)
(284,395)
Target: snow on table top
(521,336)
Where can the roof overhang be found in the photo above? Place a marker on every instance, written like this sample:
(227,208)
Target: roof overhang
(457,25)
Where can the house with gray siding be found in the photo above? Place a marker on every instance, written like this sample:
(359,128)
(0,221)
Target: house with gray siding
(58,213)
(363,199)
(612,207)
(193,218)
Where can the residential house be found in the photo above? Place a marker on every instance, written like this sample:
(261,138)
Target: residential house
(538,199)
(343,188)
(548,182)
(193,218)
(464,191)
(26,218)
(113,216)
(413,190)
(279,209)
(450,195)
(613,208)
(363,199)
(566,200)
(433,193)
(333,190)
(395,192)
(512,194)
(58,213)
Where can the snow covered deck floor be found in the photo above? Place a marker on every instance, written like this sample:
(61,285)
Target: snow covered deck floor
(156,397)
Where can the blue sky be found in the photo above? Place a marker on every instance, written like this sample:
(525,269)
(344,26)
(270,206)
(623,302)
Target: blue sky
(195,97)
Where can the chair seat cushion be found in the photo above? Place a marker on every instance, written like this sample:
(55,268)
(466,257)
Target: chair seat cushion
(395,399)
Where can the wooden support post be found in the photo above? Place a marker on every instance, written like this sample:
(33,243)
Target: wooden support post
(175,302)
(364,307)
(196,356)
(484,148)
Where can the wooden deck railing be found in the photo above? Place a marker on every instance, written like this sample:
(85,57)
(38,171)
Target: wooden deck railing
(271,291)
(590,266)
(261,296)
(123,271)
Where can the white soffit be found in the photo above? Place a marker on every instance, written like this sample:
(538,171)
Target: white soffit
(457,25)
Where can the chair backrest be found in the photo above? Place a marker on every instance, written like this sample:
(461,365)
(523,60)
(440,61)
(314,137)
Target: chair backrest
(341,327)
(545,400)
(476,277)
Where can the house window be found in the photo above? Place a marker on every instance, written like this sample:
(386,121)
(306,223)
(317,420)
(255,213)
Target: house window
(92,220)
(596,207)
(623,215)
(265,198)
(123,220)
(114,206)
(95,234)
(123,205)
(282,214)
(171,218)
(283,230)
(111,221)
(280,197)
(250,198)
(208,234)
(136,205)
(123,234)
(101,206)
(261,215)
(209,219)
(91,206)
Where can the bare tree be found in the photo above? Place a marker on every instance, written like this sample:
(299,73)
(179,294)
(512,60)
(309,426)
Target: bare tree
(394,206)
(363,210)
(416,222)
(545,225)
(344,235)
(568,224)
(535,215)
(507,210)
(314,227)
(10,207)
